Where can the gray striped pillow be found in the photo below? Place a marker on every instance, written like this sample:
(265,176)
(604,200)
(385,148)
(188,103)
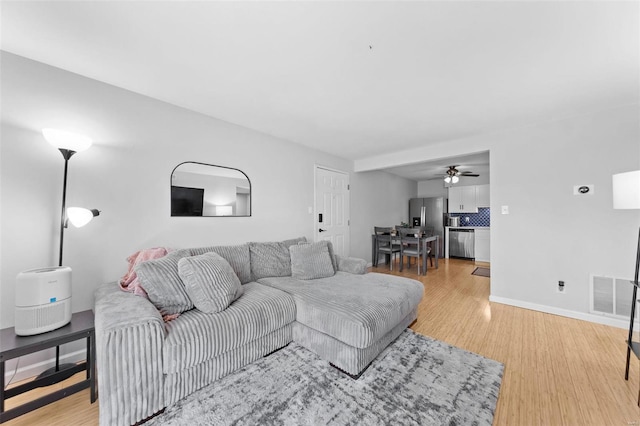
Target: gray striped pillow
(237,256)
(160,279)
(311,261)
(210,282)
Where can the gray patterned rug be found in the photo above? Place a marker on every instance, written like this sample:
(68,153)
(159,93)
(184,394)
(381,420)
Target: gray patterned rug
(415,381)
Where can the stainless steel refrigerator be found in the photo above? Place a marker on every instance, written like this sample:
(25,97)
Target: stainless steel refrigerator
(430,212)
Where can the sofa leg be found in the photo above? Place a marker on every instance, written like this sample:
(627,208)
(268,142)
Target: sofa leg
(353,376)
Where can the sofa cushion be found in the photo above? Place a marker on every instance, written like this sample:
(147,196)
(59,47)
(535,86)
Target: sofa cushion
(195,337)
(355,309)
(237,256)
(161,281)
(269,260)
(210,282)
(294,241)
(311,261)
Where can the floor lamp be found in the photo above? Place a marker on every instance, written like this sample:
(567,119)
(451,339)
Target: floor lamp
(626,195)
(68,144)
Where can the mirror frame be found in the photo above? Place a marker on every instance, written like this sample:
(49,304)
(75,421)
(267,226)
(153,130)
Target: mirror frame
(212,165)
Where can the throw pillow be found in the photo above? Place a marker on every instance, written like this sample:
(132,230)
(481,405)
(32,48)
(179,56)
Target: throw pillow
(160,279)
(269,260)
(332,255)
(210,281)
(311,261)
(237,256)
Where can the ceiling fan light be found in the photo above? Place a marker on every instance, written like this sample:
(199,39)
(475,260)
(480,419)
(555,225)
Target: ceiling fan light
(455,179)
(447,179)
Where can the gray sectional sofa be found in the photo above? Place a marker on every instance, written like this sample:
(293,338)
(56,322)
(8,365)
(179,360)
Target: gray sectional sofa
(236,304)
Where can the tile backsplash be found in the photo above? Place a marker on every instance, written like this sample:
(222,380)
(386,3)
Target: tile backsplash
(482,218)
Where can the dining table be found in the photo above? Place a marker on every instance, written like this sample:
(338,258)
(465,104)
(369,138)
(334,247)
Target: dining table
(425,240)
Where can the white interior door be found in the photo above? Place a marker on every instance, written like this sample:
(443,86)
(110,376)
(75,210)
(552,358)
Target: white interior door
(331,219)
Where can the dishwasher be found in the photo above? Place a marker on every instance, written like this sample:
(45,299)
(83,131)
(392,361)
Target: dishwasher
(461,243)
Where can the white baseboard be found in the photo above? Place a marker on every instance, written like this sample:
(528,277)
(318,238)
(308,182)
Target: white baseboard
(595,318)
(33,369)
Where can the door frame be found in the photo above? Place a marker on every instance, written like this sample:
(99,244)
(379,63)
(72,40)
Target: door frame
(317,166)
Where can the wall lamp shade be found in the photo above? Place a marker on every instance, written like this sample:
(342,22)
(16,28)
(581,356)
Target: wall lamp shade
(63,139)
(626,190)
(79,216)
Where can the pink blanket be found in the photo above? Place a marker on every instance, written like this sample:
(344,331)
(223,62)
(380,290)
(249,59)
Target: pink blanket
(130,280)
(130,283)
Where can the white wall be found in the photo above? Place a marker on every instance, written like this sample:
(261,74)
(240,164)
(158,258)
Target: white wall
(432,188)
(126,174)
(550,234)
(377,199)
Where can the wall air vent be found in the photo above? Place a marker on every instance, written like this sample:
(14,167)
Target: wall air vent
(611,297)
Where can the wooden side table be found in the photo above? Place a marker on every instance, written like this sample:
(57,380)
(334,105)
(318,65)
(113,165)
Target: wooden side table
(12,346)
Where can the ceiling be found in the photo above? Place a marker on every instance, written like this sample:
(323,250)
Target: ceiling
(354,79)
(437,169)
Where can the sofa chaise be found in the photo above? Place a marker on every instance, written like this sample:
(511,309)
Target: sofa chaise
(265,296)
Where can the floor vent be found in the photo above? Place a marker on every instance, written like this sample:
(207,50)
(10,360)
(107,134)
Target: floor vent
(611,297)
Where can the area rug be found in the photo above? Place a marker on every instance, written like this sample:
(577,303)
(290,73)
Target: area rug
(415,381)
(483,272)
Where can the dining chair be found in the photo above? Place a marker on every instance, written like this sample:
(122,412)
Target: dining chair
(411,246)
(429,231)
(386,243)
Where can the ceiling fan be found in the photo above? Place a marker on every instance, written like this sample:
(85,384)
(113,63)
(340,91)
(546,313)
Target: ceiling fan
(453,174)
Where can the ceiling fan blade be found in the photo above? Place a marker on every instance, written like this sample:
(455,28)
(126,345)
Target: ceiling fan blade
(469,174)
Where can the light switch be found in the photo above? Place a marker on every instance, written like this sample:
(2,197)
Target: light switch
(310,210)
(505,209)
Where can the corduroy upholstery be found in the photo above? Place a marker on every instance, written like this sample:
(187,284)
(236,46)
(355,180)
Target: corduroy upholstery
(346,357)
(311,261)
(210,282)
(195,337)
(357,310)
(145,364)
(237,256)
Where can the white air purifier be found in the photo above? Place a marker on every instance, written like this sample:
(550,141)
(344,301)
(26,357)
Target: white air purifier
(43,300)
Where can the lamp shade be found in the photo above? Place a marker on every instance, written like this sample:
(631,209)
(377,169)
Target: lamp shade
(224,210)
(63,139)
(79,216)
(626,190)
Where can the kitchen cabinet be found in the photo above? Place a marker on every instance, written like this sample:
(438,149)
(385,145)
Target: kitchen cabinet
(482,245)
(462,199)
(482,196)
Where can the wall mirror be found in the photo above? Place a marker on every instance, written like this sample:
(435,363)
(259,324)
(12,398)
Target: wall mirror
(199,189)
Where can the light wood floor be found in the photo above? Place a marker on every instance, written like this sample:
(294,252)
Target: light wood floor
(558,371)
